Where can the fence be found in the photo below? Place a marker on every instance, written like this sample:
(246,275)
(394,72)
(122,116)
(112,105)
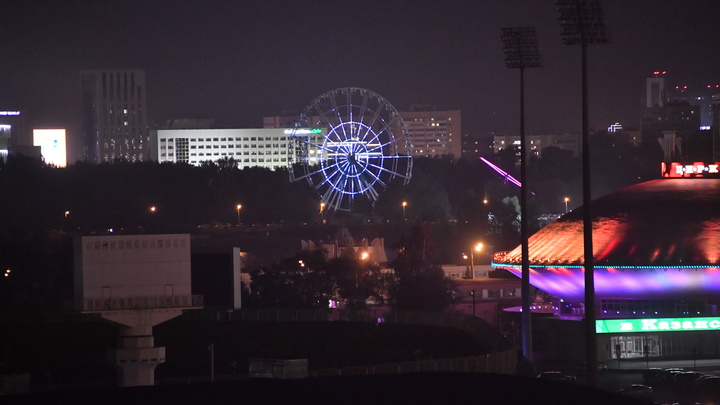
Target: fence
(503,362)
(503,359)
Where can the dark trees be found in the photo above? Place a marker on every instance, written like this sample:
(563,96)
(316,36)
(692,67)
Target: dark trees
(419,283)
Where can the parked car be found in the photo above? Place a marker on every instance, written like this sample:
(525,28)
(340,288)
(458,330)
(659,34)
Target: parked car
(687,379)
(557,376)
(709,386)
(668,378)
(637,391)
(582,368)
(654,375)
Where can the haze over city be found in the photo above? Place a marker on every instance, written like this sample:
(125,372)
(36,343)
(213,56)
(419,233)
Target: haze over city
(239,61)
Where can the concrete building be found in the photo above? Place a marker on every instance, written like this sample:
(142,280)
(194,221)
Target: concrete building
(256,147)
(672,112)
(344,245)
(13,132)
(137,282)
(655,92)
(114,115)
(432,133)
(565,141)
(679,118)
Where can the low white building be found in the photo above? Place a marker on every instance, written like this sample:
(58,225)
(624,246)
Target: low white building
(255,147)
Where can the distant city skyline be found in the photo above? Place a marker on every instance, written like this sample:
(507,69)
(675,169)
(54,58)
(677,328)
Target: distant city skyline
(238,62)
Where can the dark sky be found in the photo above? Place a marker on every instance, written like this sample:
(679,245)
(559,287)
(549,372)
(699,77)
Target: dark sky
(237,61)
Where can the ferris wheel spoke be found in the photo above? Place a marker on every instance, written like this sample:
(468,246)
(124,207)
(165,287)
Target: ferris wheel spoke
(376,178)
(363,107)
(385,170)
(334,197)
(331,183)
(374,118)
(370,191)
(321,113)
(348,102)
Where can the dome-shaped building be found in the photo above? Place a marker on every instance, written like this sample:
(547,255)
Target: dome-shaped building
(657,265)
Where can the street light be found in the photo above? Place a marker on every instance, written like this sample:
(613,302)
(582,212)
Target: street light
(583,24)
(67,213)
(152,209)
(521,52)
(477,248)
(238,207)
(566,202)
(404,204)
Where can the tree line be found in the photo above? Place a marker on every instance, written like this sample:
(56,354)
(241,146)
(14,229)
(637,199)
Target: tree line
(42,207)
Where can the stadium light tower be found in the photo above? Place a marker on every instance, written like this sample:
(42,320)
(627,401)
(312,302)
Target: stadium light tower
(583,24)
(521,52)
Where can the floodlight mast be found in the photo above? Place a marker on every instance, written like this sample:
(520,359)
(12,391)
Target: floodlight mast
(521,52)
(583,24)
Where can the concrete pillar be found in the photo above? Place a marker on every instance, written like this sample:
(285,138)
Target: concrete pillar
(136,359)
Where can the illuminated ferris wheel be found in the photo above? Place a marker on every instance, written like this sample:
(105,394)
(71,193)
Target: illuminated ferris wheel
(349,143)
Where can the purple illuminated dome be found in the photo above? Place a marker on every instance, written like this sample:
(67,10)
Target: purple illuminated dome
(659,240)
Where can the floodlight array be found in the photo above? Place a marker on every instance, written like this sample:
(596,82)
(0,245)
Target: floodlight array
(521,47)
(582,22)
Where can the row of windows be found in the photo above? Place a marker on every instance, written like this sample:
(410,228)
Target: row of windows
(135,244)
(169,155)
(244,139)
(252,146)
(251,160)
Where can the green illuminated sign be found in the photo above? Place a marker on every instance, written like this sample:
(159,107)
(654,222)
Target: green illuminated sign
(656,325)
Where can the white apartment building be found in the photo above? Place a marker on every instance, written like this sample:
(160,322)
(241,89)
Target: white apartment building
(433,133)
(255,147)
(538,142)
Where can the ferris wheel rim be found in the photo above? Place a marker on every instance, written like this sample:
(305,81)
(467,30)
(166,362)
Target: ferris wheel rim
(359,151)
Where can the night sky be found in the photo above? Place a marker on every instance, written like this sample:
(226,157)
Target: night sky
(237,61)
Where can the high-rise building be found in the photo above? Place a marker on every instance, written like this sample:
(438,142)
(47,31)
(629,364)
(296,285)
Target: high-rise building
(114,119)
(655,94)
(668,116)
(702,96)
(433,133)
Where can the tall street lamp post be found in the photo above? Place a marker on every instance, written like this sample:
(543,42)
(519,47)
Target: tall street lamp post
(477,248)
(583,24)
(404,204)
(566,204)
(238,208)
(521,52)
